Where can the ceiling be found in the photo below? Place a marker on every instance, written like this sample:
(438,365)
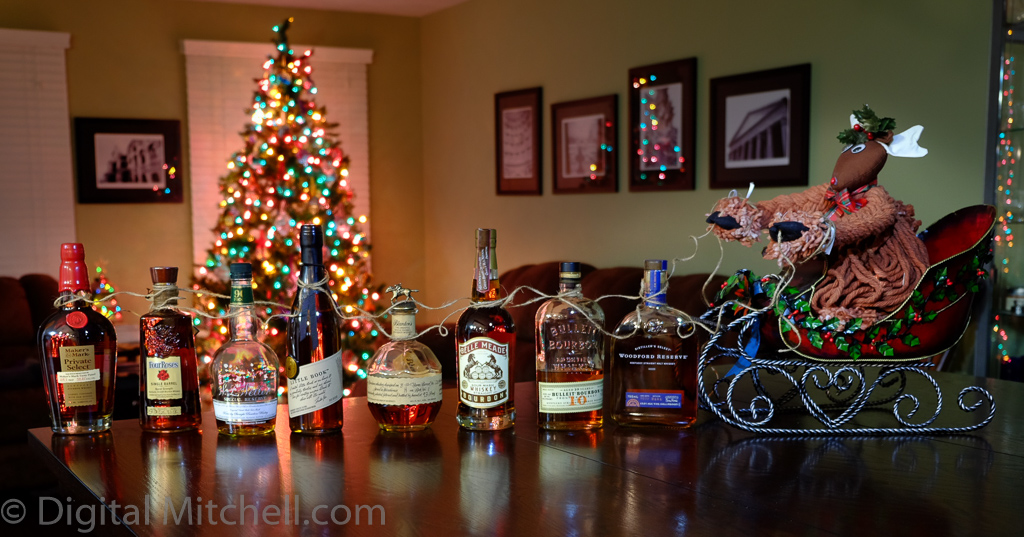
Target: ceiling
(408,8)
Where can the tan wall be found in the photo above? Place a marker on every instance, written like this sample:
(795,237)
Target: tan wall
(921,62)
(125,61)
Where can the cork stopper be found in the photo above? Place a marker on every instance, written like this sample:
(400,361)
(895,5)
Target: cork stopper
(486,238)
(164,274)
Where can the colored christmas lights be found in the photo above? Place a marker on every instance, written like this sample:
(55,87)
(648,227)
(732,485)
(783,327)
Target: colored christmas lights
(289,172)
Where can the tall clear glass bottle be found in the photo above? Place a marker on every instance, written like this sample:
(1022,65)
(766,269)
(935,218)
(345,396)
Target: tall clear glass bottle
(244,370)
(654,366)
(79,354)
(570,357)
(485,339)
(403,385)
(313,366)
(169,377)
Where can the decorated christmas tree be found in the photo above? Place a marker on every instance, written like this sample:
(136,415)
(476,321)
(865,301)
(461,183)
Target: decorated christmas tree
(291,171)
(102,288)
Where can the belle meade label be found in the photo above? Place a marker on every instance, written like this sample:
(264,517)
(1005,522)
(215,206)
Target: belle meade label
(483,372)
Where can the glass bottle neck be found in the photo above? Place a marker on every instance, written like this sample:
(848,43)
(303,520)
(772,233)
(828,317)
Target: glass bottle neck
(573,288)
(403,324)
(165,296)
(242,319)
(311,273)
(485,279)
(654,288)
(68,305)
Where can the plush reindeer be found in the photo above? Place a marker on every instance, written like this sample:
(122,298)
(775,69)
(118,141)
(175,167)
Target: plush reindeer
(874,258)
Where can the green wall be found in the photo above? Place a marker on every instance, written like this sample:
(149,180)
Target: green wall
(921,62)
(125,61)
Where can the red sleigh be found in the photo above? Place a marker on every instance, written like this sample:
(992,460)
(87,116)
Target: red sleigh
(929,322)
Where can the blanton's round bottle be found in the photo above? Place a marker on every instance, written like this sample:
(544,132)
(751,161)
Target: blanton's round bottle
(654,365)
(313,365)
(244,369)
(403,385)
(570,357)
(169,378)
(485,340)
(79,353)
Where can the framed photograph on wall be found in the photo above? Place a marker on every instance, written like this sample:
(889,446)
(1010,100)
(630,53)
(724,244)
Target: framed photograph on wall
(584,138)
(662,124)
(759,128)
(128,160)
(517,139)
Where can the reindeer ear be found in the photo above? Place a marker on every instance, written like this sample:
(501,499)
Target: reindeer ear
(905,144)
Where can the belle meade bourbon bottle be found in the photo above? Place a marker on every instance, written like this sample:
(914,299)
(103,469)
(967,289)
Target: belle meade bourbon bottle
(79,354)
(169,379)
(313,365)
(485,342)
(570,357)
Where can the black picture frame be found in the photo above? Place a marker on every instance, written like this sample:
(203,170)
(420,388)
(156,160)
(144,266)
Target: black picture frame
(760,125)
(585,145)
(128,160)
(517,142)
(671,87)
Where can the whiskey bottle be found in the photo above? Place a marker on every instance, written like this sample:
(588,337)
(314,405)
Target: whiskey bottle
(244,370)
(313,365)
(79,353)
(654,366)
(403,385)
(169,378)
(485,339)
(570,357)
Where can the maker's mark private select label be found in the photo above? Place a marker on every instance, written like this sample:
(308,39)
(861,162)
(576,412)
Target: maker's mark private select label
(483,372)
(78,375)
(317,386)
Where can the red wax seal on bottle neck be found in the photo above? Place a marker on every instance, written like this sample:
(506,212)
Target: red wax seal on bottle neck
(74,276)
(77,319)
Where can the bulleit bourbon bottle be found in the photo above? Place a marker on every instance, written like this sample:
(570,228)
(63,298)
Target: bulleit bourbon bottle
(485,343)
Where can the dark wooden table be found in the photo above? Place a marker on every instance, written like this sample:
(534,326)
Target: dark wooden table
(710,480)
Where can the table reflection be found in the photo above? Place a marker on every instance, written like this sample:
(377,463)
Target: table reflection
(92,458)
(485,467)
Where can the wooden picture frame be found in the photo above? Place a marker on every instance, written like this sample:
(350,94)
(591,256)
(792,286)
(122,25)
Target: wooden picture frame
(128,160)
(663,126)
(760,125)
(584,145)
(517,141)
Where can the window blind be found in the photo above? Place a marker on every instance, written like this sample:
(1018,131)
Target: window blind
(37,207)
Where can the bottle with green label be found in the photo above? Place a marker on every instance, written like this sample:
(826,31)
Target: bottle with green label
(244,370)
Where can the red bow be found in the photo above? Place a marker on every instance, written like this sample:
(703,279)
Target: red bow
(845,202)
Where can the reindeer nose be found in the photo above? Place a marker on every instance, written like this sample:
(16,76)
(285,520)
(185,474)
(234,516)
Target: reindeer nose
(834,181)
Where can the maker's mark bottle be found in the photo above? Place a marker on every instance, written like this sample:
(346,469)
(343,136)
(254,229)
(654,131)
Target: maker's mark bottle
(79,350)
(485,339)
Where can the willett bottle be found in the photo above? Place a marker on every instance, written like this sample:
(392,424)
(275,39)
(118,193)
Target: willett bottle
(570,357)
(244,370)
(654,364)
(403,384)
(485,339)
(169,377)
(313,365)
(79,353)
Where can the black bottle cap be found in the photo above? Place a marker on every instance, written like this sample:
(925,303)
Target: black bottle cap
(569,272)
(241,271)
(311,241)
(655,264)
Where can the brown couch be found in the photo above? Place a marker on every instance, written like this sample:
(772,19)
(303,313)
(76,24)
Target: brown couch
(684,293)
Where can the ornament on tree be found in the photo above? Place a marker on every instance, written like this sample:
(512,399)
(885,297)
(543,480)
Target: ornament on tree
(101,289)
(290,171)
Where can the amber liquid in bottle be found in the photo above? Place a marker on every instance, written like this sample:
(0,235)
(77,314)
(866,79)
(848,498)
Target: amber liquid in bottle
(485,339)
(313,365)
(79,350)
(405,417)
(168,374)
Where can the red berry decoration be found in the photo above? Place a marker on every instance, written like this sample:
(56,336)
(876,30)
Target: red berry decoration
(858,128)
(871,136)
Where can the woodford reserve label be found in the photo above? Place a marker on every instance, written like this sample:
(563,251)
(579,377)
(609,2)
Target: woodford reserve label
(483,372)
(78,375)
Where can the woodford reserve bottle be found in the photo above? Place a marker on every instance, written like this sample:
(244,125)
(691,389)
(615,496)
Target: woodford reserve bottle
(244,370)
(169,378)
(485,339)
(403,385)
(654,367)
(570,357)
(313,366)
(79,354)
